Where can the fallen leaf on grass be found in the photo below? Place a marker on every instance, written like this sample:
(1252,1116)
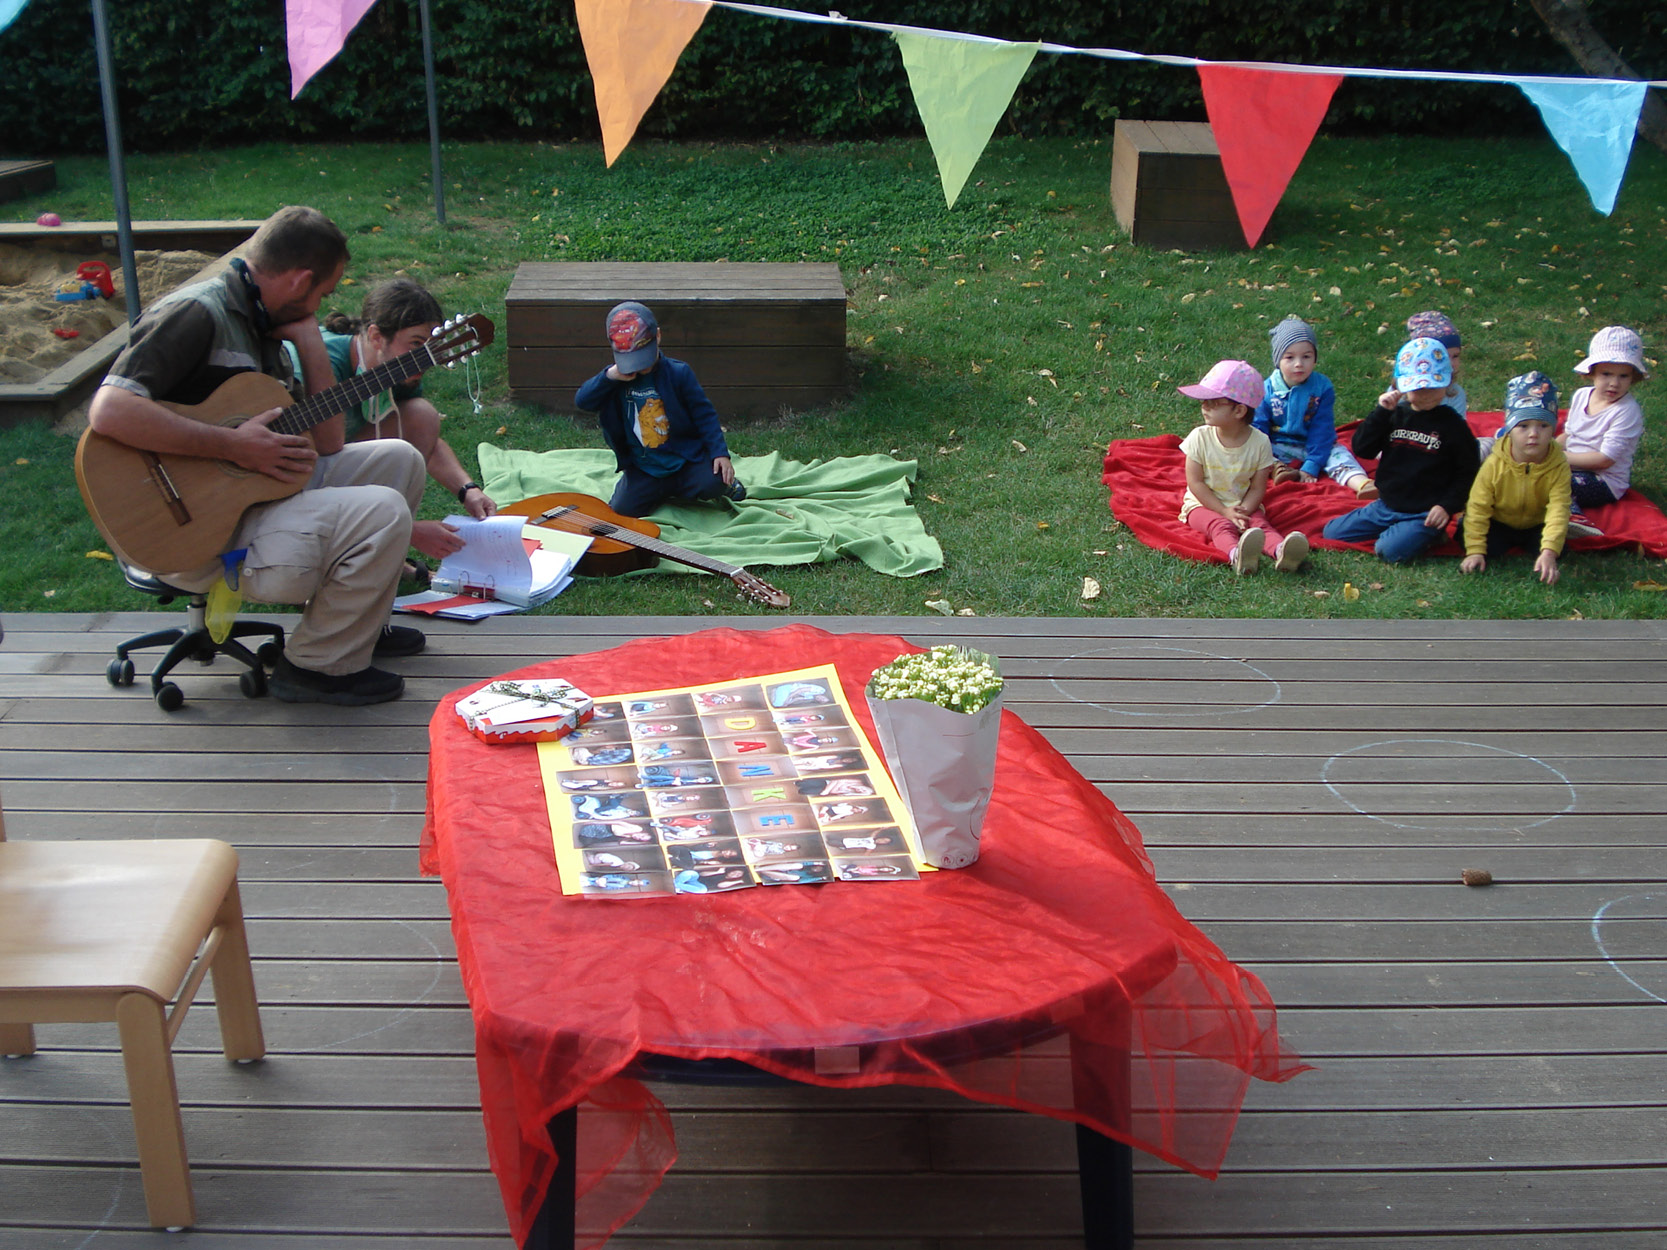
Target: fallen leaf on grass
(1090,588)
(934,498)
(1374,585)
(1043,525)
(100,555)
(1322,594)
(1020,445)
(1423,603)
(940,605)
(23,460)
(965,612)
(1648,586)
(503,429)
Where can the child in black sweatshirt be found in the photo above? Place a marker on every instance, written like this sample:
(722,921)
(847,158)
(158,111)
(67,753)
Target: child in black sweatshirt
(1427,458)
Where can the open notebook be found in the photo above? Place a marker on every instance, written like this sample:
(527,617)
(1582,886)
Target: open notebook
(505,565)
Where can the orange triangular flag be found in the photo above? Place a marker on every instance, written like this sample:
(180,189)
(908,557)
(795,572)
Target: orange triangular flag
(632,47)
(1263,121)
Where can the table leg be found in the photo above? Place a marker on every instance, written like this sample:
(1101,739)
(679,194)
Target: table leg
(1105,1170)
(553,1229)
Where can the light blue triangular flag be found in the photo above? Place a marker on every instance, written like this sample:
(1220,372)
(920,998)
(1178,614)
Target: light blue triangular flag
(961,88)
(1594,123)
(9,9)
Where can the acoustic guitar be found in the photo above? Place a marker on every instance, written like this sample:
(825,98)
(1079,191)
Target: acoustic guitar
(165,512)
(623,543)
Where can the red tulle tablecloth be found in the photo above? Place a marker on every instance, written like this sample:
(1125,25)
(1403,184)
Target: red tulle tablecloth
(1059,931)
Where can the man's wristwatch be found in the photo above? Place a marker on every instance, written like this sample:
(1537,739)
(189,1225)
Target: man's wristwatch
(466,488)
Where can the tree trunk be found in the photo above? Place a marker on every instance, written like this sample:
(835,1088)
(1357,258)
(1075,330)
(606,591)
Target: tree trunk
(1572,27)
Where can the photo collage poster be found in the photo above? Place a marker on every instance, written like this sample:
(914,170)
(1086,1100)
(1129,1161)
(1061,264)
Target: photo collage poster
(698,790)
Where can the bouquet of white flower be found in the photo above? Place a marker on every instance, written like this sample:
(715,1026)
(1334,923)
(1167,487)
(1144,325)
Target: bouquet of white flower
(938,715)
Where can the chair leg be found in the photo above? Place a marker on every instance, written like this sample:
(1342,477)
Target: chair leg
(234,984)
(17,1040)
(156,1121)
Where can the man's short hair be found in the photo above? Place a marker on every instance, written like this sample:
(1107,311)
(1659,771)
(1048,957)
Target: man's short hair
(298,238)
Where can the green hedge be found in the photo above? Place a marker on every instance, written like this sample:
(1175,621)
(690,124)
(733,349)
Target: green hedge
(516,68)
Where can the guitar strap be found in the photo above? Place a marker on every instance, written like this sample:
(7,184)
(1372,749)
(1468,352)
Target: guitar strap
(263,318)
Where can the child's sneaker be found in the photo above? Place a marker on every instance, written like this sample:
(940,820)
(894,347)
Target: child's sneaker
(1365,490)
(1580,526)
(1285,473)
(1248,554)
(1292,552)
(736,491)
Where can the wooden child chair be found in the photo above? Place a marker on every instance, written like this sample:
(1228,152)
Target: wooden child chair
(99,931)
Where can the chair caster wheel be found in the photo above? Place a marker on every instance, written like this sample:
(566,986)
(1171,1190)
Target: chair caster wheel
(119,672)
(252,681)
(169,697)
(269,653)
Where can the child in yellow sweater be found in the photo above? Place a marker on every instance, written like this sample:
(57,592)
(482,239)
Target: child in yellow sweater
(1521,495)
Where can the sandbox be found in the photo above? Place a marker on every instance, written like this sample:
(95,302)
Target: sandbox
(44,375)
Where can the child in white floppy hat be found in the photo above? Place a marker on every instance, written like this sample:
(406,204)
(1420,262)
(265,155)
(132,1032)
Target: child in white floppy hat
(1605,422)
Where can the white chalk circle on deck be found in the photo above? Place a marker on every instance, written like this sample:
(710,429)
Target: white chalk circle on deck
(1609,947)
(1538,792)
(1261,690)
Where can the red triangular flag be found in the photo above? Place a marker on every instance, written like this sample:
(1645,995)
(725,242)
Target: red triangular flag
(1263,121)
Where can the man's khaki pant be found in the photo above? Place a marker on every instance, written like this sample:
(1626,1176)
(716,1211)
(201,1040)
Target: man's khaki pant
(336,547)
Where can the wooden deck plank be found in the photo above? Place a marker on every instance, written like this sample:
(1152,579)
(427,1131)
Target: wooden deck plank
(1449,1024)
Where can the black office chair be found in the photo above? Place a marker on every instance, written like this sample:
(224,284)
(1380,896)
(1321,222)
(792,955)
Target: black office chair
(192,643)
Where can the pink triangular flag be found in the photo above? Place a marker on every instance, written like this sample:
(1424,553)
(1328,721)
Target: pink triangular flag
(632,46)
(1263,121)
(316,31)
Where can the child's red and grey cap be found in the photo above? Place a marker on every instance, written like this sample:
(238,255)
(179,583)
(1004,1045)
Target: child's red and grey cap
(634,335)
(1434,325)
(1228,379)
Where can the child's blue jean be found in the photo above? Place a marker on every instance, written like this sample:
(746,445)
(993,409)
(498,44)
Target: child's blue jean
(1400,536)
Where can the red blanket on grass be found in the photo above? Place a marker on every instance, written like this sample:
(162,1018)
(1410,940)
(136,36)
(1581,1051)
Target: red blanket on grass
(1147,477)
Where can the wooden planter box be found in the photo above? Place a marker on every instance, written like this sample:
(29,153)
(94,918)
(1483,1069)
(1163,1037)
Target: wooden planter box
(759,337)
(1168,189)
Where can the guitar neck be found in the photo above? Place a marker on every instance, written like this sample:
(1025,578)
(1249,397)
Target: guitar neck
(596,528)
(300,417)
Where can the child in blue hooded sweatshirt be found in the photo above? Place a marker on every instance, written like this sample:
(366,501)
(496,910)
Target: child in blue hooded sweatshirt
(1298,415)
(655,417)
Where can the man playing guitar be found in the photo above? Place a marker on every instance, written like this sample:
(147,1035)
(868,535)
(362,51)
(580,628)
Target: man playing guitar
(337,544)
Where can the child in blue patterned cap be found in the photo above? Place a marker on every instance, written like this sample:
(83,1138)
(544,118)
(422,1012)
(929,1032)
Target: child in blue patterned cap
(1426,459)
(1432,324)
(1297,413)
(1521,496)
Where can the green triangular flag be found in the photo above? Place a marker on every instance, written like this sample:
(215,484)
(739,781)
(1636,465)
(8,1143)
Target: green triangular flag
(962,87)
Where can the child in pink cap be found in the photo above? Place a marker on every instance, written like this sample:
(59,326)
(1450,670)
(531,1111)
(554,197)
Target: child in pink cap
(1605,423)
(1228,461)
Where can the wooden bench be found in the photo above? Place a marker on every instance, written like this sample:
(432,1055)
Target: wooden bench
(759,336)
(1168,189)
(21,178)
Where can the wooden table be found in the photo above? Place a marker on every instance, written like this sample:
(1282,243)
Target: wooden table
(1058,930)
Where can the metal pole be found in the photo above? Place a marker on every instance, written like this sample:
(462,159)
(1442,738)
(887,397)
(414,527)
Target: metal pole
(118,167)
(433,116)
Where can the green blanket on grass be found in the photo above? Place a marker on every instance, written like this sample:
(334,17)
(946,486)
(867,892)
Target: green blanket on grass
(794,513)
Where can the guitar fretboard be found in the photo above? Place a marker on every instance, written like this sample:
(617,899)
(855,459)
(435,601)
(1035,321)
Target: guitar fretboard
(316,409)
(573,518)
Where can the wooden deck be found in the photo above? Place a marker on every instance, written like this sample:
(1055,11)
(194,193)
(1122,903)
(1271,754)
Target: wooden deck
(1492,1063)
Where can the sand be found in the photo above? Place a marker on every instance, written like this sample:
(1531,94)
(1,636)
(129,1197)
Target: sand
(28,313)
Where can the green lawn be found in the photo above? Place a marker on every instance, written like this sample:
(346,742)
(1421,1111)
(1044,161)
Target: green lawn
(1001,345)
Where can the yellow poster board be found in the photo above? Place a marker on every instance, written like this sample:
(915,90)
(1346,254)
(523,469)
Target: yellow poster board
(702,789)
